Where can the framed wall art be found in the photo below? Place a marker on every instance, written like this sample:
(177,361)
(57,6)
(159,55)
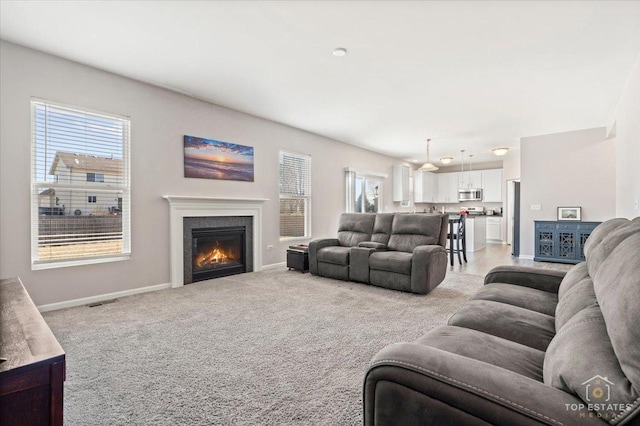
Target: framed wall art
(212,159)
(569,213)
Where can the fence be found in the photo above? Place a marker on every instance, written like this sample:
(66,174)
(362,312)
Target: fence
(70,229)
(291,225)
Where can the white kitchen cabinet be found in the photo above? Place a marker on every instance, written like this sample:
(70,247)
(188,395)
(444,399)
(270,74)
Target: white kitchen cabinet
(492,186)
(447,188)
(401,191)
(470,180)
(425,187)
(494,228)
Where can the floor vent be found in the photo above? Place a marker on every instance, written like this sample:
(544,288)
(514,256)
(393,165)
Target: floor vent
(104,302)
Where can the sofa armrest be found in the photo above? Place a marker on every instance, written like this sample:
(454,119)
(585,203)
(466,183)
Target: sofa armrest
(409,383)
(316,245)
(428,268)
(359,263)
(526,276)
(373,245)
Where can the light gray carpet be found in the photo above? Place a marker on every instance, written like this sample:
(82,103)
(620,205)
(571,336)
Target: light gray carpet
(271,348)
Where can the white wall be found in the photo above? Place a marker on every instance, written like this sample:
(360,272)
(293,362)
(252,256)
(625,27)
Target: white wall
(511,165)
(566,169)
(159,120)
(627,124)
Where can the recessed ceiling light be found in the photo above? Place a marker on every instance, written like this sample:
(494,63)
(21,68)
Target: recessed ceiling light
(340,51)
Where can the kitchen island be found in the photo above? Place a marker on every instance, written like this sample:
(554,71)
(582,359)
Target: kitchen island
(475,233)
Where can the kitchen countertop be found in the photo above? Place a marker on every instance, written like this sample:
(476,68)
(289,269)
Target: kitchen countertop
(452,214)
(469,216)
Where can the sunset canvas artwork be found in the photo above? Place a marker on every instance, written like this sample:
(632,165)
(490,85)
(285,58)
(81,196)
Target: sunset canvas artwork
(211,159)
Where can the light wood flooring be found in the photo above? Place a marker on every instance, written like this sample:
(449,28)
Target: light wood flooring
(482,261)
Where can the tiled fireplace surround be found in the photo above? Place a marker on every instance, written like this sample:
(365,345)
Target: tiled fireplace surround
(191,223)
(211,212)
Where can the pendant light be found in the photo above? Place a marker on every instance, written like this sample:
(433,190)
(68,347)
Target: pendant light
(461,185)
(428,167)
(470,158)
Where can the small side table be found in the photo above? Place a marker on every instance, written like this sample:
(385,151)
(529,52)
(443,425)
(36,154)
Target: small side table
(298,258)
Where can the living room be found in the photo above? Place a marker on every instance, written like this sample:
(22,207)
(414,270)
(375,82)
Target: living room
(586,156)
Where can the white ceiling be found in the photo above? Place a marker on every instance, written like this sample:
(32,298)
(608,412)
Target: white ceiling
(470,75)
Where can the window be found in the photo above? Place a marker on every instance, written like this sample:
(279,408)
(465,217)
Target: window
(95,177)
(295,195)
(364,192)
(76,153)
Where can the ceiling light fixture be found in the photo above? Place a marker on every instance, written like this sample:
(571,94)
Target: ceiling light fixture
(340,51)
(446,160)
(428,167)
(500,151)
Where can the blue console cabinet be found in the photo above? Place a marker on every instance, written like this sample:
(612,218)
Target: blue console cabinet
(559,241)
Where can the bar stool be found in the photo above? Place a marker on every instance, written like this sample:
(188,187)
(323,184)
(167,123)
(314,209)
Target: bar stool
(460,240)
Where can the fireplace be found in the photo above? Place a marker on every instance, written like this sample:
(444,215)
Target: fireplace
(191,212)
(217,246)
(218,252)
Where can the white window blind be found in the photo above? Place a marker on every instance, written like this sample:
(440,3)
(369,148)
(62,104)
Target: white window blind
(80,194)
(295,195)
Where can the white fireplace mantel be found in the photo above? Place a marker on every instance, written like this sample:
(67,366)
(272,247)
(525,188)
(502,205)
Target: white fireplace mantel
(181,206)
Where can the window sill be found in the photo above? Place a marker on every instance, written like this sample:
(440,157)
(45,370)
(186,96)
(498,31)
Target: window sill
(295,238)
(78,262)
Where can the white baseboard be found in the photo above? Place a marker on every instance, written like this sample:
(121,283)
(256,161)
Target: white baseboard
(109,296)
(101,297)
(526,256)
(274,266)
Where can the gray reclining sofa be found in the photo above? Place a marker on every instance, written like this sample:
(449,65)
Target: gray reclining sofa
(533,346)
(398,251)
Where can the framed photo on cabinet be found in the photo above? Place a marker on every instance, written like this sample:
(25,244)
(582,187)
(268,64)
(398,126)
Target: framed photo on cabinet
(570,213)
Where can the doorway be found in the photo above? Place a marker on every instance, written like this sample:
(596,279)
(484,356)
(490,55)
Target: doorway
(513,216)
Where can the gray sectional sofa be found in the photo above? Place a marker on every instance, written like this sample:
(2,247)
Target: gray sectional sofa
(533,346)
(398,251)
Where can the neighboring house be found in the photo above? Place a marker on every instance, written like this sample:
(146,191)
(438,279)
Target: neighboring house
(88,172)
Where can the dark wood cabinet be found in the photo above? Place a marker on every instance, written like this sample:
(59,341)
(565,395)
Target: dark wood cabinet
(562,242)
(32,377)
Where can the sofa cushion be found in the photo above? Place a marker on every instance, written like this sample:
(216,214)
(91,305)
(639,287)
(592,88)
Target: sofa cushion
(411,230)
(486,348)
(391,261)
(576,274)
(581,360)
(601,231)
(513,323)
(579,296)
(382,228)
(516,295)
(337,255)
(600,252)
(617,288)
(355,228)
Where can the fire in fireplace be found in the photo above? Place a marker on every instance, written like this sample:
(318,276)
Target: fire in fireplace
(218,252)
